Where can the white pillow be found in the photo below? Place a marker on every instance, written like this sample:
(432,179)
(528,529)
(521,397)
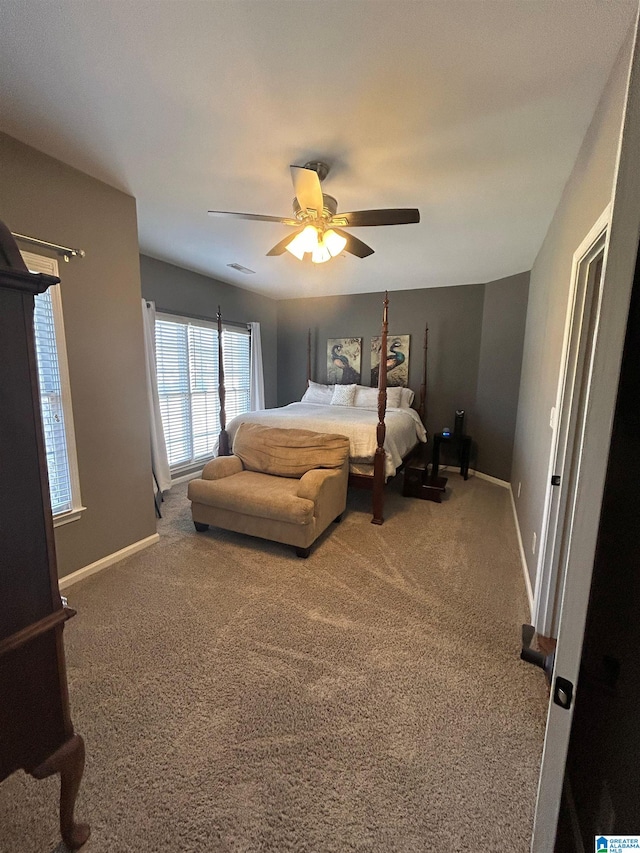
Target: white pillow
(406,398)
(366,397)
(343,395)
(397,397)
(394,396)
(317,393)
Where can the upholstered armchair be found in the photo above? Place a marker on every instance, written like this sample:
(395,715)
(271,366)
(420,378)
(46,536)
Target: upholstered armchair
(286,485)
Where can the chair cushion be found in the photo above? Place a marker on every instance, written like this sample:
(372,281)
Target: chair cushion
(252,493)
(288,452)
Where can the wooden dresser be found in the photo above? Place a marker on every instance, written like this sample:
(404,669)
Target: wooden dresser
(36,732)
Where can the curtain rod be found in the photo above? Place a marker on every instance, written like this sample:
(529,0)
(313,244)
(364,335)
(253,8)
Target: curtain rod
(61,250)
(199,317)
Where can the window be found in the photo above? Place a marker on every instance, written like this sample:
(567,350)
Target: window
(187,363)
(55,396)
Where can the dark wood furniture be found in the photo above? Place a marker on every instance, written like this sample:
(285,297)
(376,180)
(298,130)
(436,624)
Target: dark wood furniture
(422,481)
(36,732)
(459,444)
(417,481)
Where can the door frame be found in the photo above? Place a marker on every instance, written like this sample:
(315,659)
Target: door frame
(570,374)
(617,282)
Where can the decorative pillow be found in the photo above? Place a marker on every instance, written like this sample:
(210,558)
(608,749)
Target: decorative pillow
(406,398)
(343,395)
(394,397)
(317,393)
(366,398)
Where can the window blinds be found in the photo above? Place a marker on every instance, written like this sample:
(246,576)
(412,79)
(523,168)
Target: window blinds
(51,405)
(187,365)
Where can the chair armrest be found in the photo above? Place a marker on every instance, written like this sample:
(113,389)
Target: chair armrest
(313,481)
(221,466)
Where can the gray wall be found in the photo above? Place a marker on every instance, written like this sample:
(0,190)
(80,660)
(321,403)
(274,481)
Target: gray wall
(180,290)
(42,197)
(462,342)
(586,194)
(503,324)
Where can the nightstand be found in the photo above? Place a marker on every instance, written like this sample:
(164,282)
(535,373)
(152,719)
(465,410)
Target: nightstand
(460,444)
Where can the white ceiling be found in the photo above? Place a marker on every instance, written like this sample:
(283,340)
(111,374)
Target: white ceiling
(471,111)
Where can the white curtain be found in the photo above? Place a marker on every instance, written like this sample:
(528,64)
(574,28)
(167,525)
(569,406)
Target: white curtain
(159,458)
(256,395)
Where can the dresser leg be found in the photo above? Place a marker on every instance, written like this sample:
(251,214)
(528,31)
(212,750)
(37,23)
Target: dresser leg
(68,761)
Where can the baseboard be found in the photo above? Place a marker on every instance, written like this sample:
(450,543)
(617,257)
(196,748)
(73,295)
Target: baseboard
(109,560)
(503,483)
(490,479)
(523,560)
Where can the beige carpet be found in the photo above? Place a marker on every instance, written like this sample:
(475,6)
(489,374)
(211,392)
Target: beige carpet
(236,698)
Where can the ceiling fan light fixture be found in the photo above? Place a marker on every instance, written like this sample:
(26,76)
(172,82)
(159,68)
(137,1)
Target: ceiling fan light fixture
(321,254)
(334,242)
(304,242)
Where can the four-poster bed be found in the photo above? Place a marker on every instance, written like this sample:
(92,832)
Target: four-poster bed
(380,440)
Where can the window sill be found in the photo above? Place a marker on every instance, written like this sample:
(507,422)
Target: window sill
(192,468)
(68,517)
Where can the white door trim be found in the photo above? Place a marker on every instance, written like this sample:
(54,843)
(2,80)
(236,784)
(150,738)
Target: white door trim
(548,556)
(618,275)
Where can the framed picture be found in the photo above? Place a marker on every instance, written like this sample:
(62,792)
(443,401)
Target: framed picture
(397,360)
(343,361)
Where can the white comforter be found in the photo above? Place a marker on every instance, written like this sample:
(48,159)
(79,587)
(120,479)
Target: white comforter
(404,428)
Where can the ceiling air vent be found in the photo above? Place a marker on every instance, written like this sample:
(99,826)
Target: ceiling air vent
(240,268)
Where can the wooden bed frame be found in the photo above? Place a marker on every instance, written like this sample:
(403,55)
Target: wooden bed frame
(374,483)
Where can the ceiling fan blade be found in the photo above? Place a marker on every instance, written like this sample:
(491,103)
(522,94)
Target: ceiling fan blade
(280,247)
(306,184)
(354,246)
(389,216)
(258,216)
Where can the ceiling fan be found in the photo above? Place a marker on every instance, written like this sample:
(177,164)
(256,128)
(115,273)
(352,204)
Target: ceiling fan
(318,225)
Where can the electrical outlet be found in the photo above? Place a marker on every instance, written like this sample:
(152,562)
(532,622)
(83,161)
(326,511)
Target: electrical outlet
(519,488)
(533,545)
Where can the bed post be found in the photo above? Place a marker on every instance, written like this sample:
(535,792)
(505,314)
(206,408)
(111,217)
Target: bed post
(422,407)
(309,357)
(379,458)
(223,439)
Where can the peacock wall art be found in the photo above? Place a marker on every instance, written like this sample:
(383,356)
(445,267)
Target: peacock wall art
(396,361)
(343,361)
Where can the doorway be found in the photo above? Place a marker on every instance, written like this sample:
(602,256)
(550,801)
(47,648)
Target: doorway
(567,420)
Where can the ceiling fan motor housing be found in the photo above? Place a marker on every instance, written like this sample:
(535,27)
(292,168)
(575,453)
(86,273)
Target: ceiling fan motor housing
(320,168)
(329,209)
